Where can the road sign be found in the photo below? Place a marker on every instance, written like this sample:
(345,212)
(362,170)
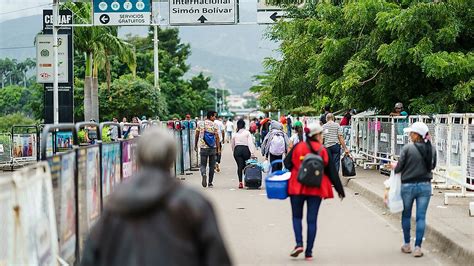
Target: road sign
(202,12)
(122,12)
(268,14)
(44,58)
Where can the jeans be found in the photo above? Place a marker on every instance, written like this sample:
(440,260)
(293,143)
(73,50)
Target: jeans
(208,153)
(241,154)
(277,166)
(335,151)
(421,193)
(229,136)
(313,203)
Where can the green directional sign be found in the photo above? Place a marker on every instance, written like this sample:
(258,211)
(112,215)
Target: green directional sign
(122,12)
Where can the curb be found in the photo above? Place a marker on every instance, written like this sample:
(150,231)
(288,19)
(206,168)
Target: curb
(442,242)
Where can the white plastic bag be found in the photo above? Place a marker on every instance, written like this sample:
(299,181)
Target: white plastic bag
(395,202)
(266,166)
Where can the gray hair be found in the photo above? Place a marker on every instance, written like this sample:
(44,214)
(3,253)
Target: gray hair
(330,117)
(156,149)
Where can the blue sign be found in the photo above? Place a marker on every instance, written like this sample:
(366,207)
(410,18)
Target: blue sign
(122,12)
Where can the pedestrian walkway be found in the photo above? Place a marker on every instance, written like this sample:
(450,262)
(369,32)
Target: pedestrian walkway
(258,231)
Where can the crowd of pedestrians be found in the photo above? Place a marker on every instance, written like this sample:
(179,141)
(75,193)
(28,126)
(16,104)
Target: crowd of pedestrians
(181,217)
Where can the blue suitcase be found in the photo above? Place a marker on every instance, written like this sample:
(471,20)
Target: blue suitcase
(253,176)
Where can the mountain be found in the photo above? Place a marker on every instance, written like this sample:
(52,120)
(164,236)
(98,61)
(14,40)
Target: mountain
(231,55)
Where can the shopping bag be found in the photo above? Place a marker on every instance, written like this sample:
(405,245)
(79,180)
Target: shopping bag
(266,166)
(348,166)
(395,202)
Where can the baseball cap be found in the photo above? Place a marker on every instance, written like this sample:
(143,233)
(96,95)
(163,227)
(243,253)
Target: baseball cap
(314,128)
(399,105)
(418,127)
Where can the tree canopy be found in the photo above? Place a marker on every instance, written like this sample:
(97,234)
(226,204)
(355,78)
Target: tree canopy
(373,53)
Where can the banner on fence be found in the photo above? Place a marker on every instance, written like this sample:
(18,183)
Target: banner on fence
(35,242)
(7,230)
(63,141)
(89,178)
(62,173)
(110,167)
(24,146)
(129,164)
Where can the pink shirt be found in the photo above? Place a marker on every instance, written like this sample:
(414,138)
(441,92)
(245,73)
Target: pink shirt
(243,138)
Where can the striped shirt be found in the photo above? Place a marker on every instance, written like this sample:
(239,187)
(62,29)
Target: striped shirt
(331,132)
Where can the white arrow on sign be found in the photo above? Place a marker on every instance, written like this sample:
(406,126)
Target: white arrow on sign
(104,18)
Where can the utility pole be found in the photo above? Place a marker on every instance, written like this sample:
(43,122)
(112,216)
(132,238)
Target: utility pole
(215,92)
(55,62)
(155,53)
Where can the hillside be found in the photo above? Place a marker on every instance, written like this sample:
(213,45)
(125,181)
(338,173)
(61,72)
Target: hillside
(231,55)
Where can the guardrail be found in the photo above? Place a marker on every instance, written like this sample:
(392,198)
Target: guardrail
(379,139)
(61,197)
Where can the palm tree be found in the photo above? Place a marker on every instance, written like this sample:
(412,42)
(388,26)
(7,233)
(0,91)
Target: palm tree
(97,43)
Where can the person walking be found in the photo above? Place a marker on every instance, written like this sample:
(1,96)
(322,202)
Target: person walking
(243,148)
(333,139)
(206,139)
(221,133)
(290,123)
(323,118)
(313,196)
(417,160)
(155,220)
(275,145)
(229,125)
(299,135)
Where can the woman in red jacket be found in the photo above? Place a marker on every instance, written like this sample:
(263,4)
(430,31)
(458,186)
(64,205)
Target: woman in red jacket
(312,195)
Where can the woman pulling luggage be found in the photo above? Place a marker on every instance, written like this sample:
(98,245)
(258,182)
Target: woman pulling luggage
(417,159)
(243,147)
(312,195)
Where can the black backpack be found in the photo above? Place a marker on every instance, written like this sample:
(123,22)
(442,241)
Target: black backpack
(312,168)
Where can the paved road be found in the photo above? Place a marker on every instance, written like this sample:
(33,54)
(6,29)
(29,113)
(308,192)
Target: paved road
(258,231)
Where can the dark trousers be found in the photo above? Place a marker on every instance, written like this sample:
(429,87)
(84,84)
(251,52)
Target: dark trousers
(277,166)
(241,154)
(219,155)
(335,151)
(297,204)
(208,154)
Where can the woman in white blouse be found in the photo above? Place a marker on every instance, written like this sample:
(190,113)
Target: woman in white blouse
(243,147)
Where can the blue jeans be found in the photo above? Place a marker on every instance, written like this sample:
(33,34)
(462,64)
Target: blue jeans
(335,151)
(313,203)
(421,193)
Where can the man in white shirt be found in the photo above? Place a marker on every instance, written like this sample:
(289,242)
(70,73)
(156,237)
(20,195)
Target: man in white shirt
(221,133)
(229,128)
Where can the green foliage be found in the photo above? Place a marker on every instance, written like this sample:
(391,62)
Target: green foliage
(131,96)
(81,136)
(371,54)
(24,100)
(13,72)
(105,134)
(7,121)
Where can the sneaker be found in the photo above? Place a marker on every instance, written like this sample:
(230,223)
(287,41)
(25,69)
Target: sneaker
(406,248)
(241,185)
(217,168)
(417,253)
(204,181)
(210,185)
(308,258)
(296,251)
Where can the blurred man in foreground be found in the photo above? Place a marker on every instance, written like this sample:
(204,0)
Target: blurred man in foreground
(154,220)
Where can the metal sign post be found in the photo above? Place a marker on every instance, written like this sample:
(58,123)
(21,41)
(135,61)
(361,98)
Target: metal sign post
(155,57)
(55,60)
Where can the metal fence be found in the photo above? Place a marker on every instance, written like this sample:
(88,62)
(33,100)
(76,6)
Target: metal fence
(61,198)
(378,139)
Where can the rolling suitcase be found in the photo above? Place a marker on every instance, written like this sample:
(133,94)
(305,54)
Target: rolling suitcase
(253,176)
